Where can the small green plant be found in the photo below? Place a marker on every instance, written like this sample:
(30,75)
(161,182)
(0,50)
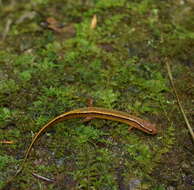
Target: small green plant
(5,114)
(107,97)
(160,187)
(25,75)
(110,3)
(4,161)
(8,86)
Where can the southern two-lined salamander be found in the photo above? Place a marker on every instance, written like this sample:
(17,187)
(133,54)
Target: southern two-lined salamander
(101,113)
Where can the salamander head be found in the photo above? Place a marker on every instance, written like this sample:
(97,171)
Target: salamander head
(150,128)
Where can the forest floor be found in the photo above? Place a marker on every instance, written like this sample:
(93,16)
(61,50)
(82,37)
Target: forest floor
(54,57)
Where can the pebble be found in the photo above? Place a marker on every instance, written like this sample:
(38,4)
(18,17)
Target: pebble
(170,188)
(134,184)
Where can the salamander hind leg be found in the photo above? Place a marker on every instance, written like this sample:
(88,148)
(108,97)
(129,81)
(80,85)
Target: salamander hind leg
(130,128)
(87,119)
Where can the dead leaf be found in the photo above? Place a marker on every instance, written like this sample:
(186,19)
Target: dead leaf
(93,22)
(6,142)
(54,25)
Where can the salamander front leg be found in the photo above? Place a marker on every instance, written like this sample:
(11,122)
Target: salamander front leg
(89,104)
(130,128)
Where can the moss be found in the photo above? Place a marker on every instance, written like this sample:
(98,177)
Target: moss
(119,64)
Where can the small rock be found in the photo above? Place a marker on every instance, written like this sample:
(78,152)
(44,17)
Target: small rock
(134,184)
(170,188)
(185,167)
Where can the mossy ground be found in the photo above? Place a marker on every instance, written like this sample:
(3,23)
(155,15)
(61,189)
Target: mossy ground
(120,64)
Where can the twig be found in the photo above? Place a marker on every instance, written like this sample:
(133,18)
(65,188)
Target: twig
(43,178)
(7,28)
(6,142)
(178,100)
